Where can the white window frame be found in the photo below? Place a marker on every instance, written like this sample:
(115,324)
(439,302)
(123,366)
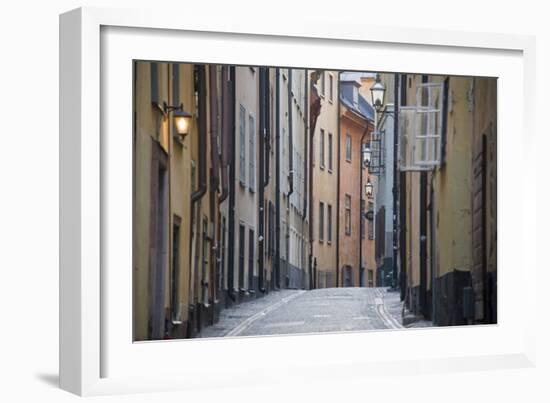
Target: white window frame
(322,148)
(251,153)
(432,134)
(242,145)
(409,136)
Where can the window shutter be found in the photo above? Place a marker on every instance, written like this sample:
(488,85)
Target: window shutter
(242,137)
(252,153)
(427,138)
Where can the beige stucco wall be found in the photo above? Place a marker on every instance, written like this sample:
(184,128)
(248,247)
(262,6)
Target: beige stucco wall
(325,182)
(151,126)
(452,183)
(246,212)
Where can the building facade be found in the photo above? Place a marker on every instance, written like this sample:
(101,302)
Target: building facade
(447,183)
(356,262)
(384,150)
(324,119)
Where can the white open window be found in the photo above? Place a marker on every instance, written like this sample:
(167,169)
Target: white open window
(420,129)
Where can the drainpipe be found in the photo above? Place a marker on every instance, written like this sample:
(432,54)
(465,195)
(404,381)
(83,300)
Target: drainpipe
(307,156)
(199,193)
(290,148)
(338,187)
(231,211)
(277,180)
(214,179)
(361,226)
(306,143)
(226,130)
(395,208)
(201,190)
(214,155)
(267,127)
(290,164)
(262,174)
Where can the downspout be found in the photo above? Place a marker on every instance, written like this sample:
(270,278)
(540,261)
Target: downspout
(306,144)
(214,179)
(290,148)
(338,188)
(307,156)
(361,204)
(261,182)
(199,193)
(267,127)
(277,180)
(231,211)
(225,112)
(290,166)
(395,211)
(201,190)
(314,110)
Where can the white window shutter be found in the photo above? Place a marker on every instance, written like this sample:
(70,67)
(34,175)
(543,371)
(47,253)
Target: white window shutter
(427,134)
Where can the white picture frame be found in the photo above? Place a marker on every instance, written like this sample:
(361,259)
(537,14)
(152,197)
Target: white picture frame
(97,357)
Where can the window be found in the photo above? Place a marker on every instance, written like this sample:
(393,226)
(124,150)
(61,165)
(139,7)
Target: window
(421,127)
(252,153)
(271,230)
(330,87)
(371,222)
(322,84)
(205,261)
(321,221)
(347,217)
(251,241)
(348,147)
(242,139)
(426,149)
(363,219)
(174,278)
(348,280)
(329,223)
(223,253)
(330,152)
(403,88)
(322,149)
(241,256)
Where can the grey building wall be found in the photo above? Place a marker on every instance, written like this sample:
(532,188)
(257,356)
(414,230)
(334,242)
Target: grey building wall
(384,193)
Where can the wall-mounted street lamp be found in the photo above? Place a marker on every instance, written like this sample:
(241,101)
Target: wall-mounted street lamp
(369,187)
(369,215)
(182,118)
(367,155)
(378,93)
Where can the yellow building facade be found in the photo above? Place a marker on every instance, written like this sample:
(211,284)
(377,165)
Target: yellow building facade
(438,205)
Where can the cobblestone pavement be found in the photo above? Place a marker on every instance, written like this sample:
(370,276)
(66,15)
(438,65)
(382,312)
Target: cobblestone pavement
(322,310)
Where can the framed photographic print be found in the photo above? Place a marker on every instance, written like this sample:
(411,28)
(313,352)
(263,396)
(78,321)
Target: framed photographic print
(327,198)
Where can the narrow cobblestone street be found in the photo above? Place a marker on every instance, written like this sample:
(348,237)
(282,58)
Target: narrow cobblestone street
(321,310)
